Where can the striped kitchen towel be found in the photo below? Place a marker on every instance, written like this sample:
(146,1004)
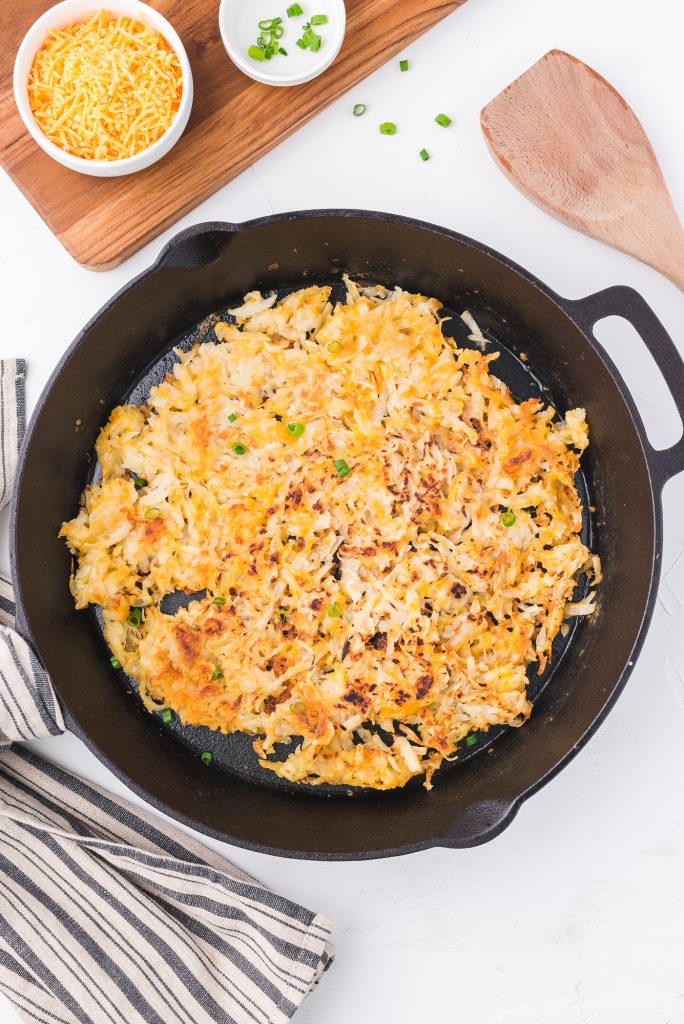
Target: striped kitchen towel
(107,914)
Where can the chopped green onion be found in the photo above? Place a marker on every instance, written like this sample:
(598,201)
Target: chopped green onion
(268,23)
(359,109)
(444,120)
(471,739)
(334,610)
(115,662)
(232,417)
(238,448)
(207,757)
(388,128)
(284,52)
(301,44)
(256,53)
(134,616)
(217,674)
(308,36)
(341,467)
(424,155)
(294,10)
(508,518)
(403,65)
(334,346)
(152,513)
(219,601)
(315,44)
(139,483)
(167,716)
(281,615)
(297,705)
(295,429)
(319,19)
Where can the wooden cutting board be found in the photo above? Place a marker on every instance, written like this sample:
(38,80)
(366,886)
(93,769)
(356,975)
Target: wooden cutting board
(234,121)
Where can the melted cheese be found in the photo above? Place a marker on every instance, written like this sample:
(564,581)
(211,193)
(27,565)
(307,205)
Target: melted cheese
(382,614)
(105,89)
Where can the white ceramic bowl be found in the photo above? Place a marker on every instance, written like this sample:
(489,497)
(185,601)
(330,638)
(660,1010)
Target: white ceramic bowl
(66,13)
(239,27)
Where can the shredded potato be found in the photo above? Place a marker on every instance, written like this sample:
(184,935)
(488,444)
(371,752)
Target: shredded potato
(105,89)
(381,540)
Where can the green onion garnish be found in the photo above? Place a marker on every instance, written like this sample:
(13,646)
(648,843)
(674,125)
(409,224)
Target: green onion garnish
(319,19)
(403,65)
(207,757)
(334,610)
(471,739)
(301,44)
(359,109)
(294,10)
(297,705)
(341,467)
(388,128)
(256,53)
(315,43)
(139,483)
(217,674)
(232,417)
(134,616)
(152,513)
(167,716)
(295,429)
(115,662)
(284,52)
(219,601)
(334,346)
(281,615)
(424,155)
(444,120)
(238,448)
(508,518)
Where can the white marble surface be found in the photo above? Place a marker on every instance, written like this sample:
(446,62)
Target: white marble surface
(575,914)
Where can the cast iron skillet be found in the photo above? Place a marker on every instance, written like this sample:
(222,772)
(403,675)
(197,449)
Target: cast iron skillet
(124,348)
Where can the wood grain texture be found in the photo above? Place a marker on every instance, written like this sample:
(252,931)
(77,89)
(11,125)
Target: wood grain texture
(571,143)
(234,121)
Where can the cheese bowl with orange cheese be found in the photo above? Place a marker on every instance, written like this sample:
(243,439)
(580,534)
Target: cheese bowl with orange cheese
(104,91)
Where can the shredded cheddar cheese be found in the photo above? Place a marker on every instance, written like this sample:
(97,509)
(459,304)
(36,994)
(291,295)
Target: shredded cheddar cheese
(105,89)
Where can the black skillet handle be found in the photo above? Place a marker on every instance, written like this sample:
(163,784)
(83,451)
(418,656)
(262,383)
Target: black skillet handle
(627,303)
(197,246)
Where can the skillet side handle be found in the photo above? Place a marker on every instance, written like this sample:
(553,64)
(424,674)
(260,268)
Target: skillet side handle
(623,301)
(196,247)
(479,823)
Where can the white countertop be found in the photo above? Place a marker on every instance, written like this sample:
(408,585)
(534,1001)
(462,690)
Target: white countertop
(574,915)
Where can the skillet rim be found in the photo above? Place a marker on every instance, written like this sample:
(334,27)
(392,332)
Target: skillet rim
(503,813)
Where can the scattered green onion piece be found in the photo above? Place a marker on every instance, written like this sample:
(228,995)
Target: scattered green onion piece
(284,52)
(295,429)
(219,601)
(308,36)
(403,65)
(301,44)
(297,705)
(281,615)
(217,674)
(424,155)
(134,616)
(315,44)
(319,19)
(388,128)
(359,109)
(207,757)
(115,662)
(334,346)
(334,610)
(508,518)
(471,739)
(294,10)
(256,53)
(266,24)
(153,513)
(232,417)
(238,448)
(139,483)
(444,120)
(167,716)
(341,467)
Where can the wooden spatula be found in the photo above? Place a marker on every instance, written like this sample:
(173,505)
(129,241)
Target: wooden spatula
(569,141)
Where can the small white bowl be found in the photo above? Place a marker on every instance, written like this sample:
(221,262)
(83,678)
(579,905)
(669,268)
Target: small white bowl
(66,13)
(239,27)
